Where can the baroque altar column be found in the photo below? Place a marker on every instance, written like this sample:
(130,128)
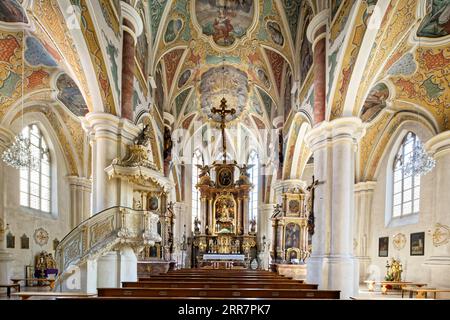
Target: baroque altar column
(80,199)
(438,260)
(6,258)
(245,212)
(132,27)
(363,211)
(332,264)
(203,209)
(210,214)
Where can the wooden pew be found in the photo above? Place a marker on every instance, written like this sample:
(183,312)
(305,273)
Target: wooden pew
(160,278)
(219,293)
(216,284)
(27,294)
(8,288)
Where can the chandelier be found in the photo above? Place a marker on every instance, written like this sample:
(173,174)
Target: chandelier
(18,155)
(420,162)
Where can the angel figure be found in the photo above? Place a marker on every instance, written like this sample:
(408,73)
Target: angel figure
(204,170)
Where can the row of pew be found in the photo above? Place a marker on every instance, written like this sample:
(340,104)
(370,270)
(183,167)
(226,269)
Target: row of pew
(217,284)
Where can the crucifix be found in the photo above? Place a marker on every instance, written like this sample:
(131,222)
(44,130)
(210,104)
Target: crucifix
(222,111)
(311,188)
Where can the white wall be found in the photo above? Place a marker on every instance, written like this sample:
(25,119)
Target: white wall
(24,220)
(382,226)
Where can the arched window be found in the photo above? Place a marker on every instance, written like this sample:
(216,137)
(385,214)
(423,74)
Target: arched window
(254,179)
(196,159)
(35,181)
(406,186)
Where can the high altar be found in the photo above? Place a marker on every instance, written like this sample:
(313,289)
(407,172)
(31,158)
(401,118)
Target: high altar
(224,236)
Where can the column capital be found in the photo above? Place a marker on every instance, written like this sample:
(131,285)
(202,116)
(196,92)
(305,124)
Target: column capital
(317,27)
(439,145)
(365,186)
(334,131)
(278,122)
(99,124)
(130,13)
(280,186)
(79,181)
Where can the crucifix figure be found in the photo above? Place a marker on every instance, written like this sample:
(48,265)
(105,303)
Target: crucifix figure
(222,112)
(311,188)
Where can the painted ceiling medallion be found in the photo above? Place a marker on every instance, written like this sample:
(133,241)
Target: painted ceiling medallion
(225,21)
(399,241)
(229,83)
(41,236)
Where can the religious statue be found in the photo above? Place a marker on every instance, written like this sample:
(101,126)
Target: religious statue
(253,226)
(244,176)
(167,144)
(204,170)
(394,270)
(224,213)
(196,225)
(139,151)
(143,139)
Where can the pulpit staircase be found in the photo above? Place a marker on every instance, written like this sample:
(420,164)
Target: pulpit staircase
(113,228)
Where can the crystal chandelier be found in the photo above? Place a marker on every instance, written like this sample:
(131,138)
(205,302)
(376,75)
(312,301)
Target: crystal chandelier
(420,162)
(18,155)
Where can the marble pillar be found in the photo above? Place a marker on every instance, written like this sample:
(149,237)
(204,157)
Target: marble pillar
(316,34)
(439,257)
(109,138)
(132,28)
(363,207)
(332,264)
(80,199)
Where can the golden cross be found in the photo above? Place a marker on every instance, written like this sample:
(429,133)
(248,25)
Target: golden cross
(222,112)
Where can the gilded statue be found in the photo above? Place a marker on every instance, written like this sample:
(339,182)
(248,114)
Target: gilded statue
(394,270)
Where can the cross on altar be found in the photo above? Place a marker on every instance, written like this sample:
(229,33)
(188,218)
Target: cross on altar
(222,112)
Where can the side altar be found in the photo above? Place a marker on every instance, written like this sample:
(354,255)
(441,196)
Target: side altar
(223,229)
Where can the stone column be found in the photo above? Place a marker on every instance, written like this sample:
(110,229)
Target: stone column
(6,258)
(264,234)
(316,34)
(80,199)
(363,208)
(132,28)
(104,131)
(109,137)
(439,257)
(332,264)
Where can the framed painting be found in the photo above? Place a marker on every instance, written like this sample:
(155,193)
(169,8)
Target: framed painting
(383,246)
(417,244)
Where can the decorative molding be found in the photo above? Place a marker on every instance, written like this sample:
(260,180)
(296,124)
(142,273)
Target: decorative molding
(441,235)
(316,23)
(41,236)
(129,13)
(399,241)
